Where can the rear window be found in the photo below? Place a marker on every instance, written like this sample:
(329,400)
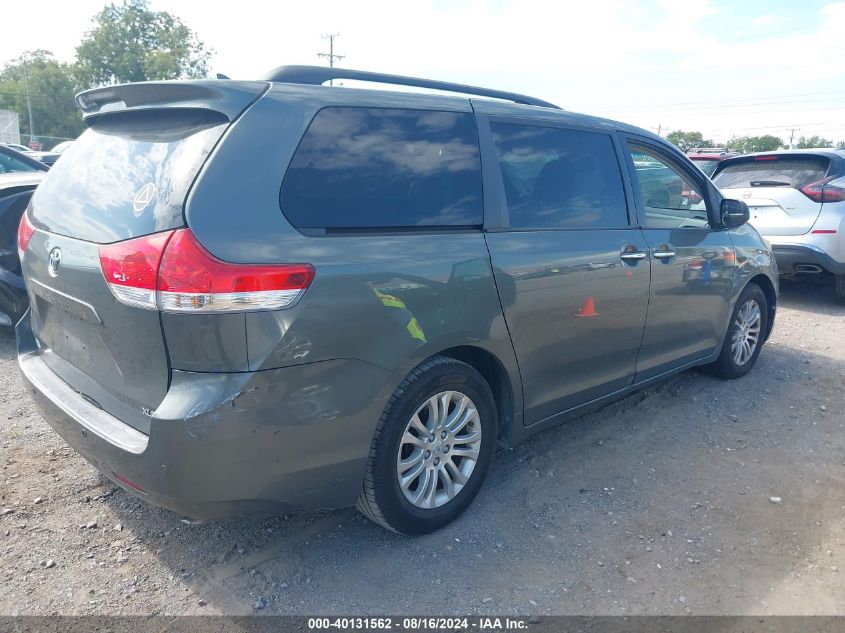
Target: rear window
(127,175)
(359,168)
(766,171)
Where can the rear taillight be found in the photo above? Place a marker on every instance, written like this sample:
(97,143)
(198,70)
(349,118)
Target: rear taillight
(821,191)
(191,279)
(131,268)
(25,233)
(172,272)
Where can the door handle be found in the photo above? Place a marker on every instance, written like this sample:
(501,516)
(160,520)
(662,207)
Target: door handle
(633,255)
(664,254)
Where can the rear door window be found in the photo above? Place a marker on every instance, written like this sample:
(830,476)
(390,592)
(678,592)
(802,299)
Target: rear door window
(772,171)
(559,178)
(367,168)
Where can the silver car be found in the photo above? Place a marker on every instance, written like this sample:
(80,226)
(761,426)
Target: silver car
(797,202)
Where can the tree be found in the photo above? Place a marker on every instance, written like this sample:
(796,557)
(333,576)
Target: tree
(685,141)
(840,145)
(131,42)
(746,144)
(809,142)
(51,91)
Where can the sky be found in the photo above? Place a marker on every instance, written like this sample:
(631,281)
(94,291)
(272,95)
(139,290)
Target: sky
(722,67)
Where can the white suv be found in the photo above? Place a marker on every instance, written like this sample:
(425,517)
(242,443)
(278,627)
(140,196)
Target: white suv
(797,202)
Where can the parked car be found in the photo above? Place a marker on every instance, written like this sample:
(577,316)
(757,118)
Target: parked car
(707,158)
(354,322)
(17,146)
(15,191)
(797,202)
(12,161)
(48,158)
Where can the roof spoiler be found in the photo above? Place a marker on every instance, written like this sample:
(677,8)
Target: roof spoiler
(228,98)
(318,75)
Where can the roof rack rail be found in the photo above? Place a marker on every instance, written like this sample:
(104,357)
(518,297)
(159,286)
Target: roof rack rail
(318,75)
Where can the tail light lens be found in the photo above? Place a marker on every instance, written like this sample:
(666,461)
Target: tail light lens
(131,268)
(821,191)
(172,272)
(25,233)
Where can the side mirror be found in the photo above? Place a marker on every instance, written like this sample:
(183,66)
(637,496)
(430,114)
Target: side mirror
(734,213)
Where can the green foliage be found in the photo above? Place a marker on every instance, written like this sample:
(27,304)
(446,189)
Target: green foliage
(809,142)
(840,145)
(746,144)
(687,140)
(131,42)
(51,89)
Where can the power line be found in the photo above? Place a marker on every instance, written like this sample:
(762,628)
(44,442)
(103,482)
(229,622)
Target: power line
(732,102)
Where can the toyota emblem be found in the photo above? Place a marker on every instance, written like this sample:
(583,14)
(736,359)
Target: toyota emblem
(143,198)
(54,261)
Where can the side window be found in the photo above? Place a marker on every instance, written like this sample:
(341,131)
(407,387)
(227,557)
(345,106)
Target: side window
(671,201)
(559,178)
(385,168)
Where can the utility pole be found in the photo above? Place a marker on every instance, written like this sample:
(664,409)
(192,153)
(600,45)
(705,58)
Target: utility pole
(659,129)
(792,136)
(28,102)
(331,56)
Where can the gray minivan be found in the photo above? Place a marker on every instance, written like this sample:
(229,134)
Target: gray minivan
(275,295)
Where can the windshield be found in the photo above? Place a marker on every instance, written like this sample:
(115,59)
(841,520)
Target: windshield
(707,165)
(10,163)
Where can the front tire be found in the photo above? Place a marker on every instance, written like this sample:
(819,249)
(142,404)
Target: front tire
(746,333)
(432,448)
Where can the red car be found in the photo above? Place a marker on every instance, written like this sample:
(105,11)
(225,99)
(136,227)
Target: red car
(706,158)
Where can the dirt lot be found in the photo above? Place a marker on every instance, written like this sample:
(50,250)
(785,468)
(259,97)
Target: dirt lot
(697,496)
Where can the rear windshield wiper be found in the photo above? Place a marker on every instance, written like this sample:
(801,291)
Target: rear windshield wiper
(770,183)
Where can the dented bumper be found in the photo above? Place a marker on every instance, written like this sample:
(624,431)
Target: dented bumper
(294,438)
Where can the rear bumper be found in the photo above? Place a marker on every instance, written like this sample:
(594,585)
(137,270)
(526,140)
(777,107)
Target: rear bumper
(221,445)
(790,255)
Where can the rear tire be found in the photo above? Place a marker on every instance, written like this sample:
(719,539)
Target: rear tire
(839,283)
(744,338)
(432,448)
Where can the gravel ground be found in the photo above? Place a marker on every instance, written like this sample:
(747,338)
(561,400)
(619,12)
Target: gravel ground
(697,496)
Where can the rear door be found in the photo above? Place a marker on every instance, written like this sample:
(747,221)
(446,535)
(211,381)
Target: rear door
(572,274)
(693,265)
(127,176)
(777,188)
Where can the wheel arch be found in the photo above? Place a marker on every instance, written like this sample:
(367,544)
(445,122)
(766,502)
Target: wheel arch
(494,372)
(768,289)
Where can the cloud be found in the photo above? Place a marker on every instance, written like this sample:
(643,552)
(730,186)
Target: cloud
(763,20)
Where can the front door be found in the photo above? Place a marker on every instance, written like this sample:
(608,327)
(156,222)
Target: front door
(572,274)
(693,265)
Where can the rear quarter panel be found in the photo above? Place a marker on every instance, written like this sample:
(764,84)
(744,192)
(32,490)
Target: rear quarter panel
(391,300)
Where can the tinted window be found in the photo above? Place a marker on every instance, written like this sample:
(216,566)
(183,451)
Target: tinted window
(764,171)
(383,168)
(557,178)
(671,199)
(127,175)
(707,165)
(10,163)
